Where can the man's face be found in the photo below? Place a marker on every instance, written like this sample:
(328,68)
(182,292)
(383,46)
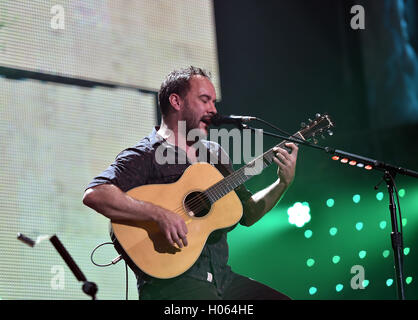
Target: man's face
(199,104)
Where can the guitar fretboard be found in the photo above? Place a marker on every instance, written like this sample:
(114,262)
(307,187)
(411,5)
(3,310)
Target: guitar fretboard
(238,177)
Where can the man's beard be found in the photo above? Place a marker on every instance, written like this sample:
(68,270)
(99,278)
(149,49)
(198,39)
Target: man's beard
(193,125)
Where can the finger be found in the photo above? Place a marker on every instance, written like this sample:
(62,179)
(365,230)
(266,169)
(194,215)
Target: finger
(169,239)
(184,227)
(279,164)
(184,239)
(284,152)
(282,158)
(292,146)
(176,239)
(183,235)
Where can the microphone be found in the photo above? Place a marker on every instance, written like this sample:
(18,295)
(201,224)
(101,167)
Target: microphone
(218,120)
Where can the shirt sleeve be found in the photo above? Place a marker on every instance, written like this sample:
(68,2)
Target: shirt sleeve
(130,169)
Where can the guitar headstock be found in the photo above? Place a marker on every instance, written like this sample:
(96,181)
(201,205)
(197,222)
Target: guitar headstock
(320,126)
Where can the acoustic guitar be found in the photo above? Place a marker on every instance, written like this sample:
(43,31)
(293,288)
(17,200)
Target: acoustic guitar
(204,198)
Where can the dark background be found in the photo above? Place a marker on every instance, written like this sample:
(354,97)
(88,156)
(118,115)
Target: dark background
(285,61)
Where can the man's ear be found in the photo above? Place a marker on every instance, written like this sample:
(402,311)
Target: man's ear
(176,101)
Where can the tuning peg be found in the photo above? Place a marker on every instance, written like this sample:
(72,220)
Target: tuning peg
(303,125)
(322,136)
(315,141)
(310,120)
(318,116)
(330,132)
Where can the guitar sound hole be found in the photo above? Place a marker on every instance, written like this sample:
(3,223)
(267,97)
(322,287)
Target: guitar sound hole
(197,204)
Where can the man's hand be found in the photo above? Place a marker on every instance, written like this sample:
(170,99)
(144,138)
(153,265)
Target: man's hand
(116,205)
(286,163)
(173,227)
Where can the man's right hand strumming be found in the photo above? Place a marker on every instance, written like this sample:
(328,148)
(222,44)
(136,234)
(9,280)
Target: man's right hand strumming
(114,204)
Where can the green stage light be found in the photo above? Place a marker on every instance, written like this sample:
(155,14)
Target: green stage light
(359,226)
(404,222)
(310,262)
(382,224)
(333,231)
(336,259)
(365,283)
(356,198)
(402,193)
(408,280)
(308,234)
(339,287)
(406,251)
(299,214)
(330,203)
(312,290)
(362,254)
(389,282)
(386,253)
(379,196)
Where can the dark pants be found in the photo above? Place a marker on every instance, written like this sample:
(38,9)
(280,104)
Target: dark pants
(187,288)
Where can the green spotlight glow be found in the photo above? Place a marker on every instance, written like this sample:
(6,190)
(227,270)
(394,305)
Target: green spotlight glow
(356,198)
(386,253)
(330,203)
(312,290)
(308,234)
(389,282)
(408,280)
(365,283)
(359,226)
(339,287)
(406,251)
(382,224)
(362,254)
(379,196)
(336,259)
(333,231)
(404,222)
(402,193)
(299,214)
(310,262)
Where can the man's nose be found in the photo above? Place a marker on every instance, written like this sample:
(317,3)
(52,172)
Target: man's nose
(213,108)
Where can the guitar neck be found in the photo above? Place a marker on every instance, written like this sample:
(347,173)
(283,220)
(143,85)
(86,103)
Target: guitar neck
(243,174)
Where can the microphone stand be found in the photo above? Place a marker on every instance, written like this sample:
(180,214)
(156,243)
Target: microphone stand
(389,173)
(89,288)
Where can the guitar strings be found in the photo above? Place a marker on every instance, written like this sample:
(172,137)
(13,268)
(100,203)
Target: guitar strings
(194,204)
(223,185)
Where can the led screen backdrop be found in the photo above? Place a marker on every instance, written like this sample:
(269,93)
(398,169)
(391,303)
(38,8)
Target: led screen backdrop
(129,42)
(54,139)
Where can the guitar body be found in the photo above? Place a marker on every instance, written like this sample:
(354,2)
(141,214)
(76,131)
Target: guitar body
(147,247)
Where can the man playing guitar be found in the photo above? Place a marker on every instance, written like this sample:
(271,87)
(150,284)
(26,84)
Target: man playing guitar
(186,95)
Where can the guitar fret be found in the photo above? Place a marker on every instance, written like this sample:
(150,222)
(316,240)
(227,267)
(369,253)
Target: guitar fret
(243,174)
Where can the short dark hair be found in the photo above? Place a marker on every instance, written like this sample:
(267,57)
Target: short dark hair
(177,81)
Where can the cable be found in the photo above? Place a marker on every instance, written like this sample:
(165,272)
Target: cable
(114,261)
(398,202)
(94,250)
(126,280)
(278,129)
(273,126)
